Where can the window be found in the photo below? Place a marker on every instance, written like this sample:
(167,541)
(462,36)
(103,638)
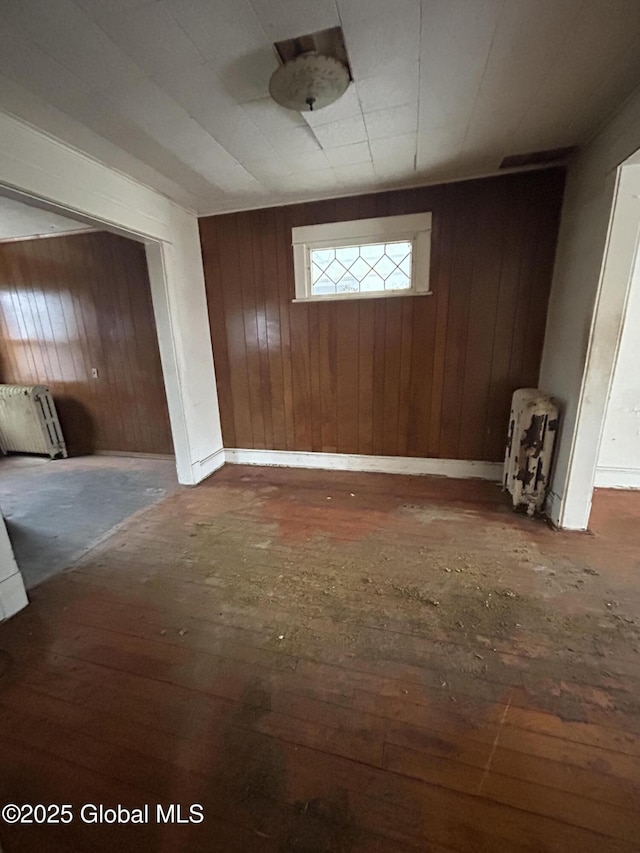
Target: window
(363,258)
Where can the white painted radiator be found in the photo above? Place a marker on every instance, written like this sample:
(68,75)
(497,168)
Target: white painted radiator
(29,422)
(532,433)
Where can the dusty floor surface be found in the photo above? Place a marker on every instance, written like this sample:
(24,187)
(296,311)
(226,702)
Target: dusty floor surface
(56,509)
(335,662)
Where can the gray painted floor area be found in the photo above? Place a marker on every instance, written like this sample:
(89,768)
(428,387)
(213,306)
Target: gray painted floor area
(55,510)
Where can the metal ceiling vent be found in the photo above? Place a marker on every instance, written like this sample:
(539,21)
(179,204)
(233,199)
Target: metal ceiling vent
(314,72)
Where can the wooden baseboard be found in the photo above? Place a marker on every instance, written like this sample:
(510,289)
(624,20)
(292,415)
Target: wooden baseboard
(617,478)
(133,454)
(205,467)
(456,468)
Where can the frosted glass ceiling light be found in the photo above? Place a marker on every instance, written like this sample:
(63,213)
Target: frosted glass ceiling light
(310,81)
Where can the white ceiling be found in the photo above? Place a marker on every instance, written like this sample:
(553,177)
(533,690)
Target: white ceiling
(174,92)
(22,220)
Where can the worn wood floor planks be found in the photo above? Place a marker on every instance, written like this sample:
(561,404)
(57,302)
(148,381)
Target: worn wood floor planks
(334,662)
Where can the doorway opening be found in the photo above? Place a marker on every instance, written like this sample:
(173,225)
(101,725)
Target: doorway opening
(77,317)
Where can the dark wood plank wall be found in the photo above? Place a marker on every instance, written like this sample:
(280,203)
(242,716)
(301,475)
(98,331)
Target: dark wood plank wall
(70,304)
(413,376)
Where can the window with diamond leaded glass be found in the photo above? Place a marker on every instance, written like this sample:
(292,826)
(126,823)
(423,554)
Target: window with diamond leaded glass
(363,258)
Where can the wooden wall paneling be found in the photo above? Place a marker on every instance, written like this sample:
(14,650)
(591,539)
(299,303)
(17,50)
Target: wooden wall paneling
(483,305)
(303,412)
(285,295)
(306,319)
(69,304)
(366,370)
(258,278)
(84,331)
(269,264)
(422,339)
(549,211)
(8,325)
(114,338)
(33,300)
(442,236)
(139,353)
(252,341)
(80,277)
(300,320)
(41,308)
(220,319)
(247,297)
(365,351)
(13,328)
(519,369)
(328,385)
(27,304)
(110,347)
(499,398)
(347,361)
(85,293)
(393,204)
(83,338)
(323,317)
(422,376)
(104,355)
(379,205)
(404,391)
(136,303)
(532,329)
(230,326)
(53,317)
(347,367)
(462,263)
(379,335)
(392,348)
(144,369)
(22,322)
(315,371)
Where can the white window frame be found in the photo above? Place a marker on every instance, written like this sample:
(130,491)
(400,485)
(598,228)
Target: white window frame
(414,228)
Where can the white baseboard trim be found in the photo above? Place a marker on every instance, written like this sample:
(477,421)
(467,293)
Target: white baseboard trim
(130,454)
(456,468)
(208,465)
(617,478)
(12,596)
(552,507)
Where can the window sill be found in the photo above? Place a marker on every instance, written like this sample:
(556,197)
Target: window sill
(341,297)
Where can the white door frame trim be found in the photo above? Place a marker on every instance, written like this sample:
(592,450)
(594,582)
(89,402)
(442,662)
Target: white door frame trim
(621,254)
(43,171)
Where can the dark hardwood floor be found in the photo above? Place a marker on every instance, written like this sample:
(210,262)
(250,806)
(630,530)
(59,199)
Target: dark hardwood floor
(334,662)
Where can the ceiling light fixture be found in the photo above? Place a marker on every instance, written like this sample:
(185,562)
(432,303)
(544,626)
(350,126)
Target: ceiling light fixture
(309,82)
